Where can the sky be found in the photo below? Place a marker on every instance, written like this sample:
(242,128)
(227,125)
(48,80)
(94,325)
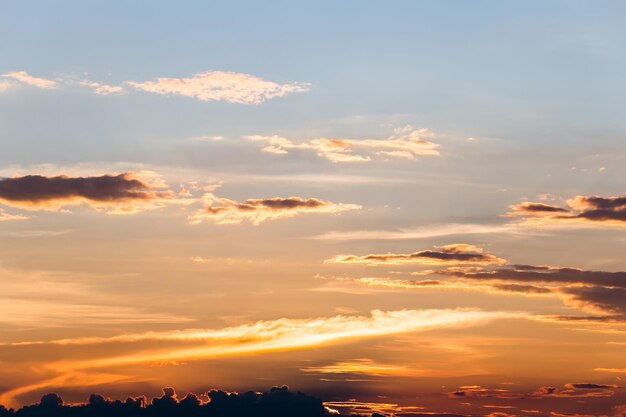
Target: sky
(402,207)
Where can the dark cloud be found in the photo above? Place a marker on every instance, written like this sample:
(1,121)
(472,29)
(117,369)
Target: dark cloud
(579,209)
(598,292)
(544,274)
(128,192)
(278,402)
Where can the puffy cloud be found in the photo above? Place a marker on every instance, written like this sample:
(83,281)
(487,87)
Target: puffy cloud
(278,402)
(580,209)
(103,89)
(231,87)
(456,254)
(256,211)
(405,143)
(122,193)
(25,78)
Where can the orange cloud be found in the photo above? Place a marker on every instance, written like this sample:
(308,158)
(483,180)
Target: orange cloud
(103,89)
(256,211)
(363,366)
(406,143)
(231,87)
(25,78)
(4,216)
(456,254)
(257,338)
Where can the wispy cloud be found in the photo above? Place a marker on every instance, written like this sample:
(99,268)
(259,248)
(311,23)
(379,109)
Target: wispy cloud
(421,232)
(257,338)
(405,143)
(4,216)
(103,89)
(256,211)
(231,87)
(362,366)
(456,254)
(42,299)
(25,78)
(4,86)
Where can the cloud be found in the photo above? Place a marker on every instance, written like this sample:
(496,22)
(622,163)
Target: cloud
(231,87)
(356,408)
(4,216)
(390,283)
(256,338)
(256,211)
(595,292)
(67,300)
(278,402)
(363,366)
(4,86)
(25,78)
(420,233)
(405,143)
(456,254)
(103,89)
(571,390)
(580,209)
(123,193)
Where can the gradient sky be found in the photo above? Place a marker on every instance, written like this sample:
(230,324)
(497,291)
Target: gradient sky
(408,207)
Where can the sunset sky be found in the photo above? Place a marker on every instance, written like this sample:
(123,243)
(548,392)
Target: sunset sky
(399,207)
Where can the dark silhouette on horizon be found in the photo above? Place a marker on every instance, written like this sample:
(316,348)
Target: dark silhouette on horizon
(278,402)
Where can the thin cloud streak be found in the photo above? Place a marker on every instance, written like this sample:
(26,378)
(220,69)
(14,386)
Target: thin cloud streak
(405,143)
(422,232)
(455,254)
(25,78)
(230,87)
(256,211)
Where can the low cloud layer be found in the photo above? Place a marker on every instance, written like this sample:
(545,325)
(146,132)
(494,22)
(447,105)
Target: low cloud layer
(278,402)
(123,193)
(256,211)
(594,209)
(456,254)
(405,143)
(231,87)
